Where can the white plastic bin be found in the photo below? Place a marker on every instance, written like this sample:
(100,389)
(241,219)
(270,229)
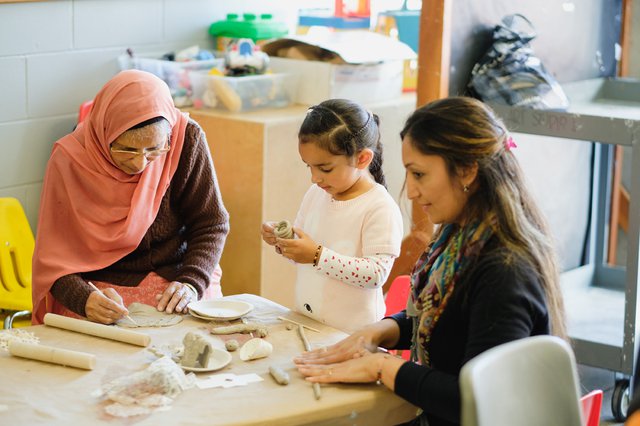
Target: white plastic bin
(175,74)
(242,93)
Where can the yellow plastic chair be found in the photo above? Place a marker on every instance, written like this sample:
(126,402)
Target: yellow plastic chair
(16,252)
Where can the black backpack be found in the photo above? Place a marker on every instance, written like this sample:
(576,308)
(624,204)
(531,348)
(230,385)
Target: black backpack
(510,74)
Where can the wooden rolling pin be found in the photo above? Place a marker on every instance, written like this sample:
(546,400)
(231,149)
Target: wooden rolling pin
(53,355)
(99,330)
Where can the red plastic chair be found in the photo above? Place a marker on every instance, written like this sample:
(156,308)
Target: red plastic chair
(396,301)
(591,406)
(85,107)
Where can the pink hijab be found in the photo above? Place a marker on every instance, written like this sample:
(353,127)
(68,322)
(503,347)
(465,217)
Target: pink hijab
(92,213)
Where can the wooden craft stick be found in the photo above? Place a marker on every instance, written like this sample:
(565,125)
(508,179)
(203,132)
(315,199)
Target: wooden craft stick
(297,323)
(99,330)
(97,289)
(53,355)
(307,347)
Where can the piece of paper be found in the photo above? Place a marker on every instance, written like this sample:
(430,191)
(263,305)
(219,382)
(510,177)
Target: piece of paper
(227,380)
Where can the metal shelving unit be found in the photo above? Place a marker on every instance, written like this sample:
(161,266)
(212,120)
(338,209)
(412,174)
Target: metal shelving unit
(605,112)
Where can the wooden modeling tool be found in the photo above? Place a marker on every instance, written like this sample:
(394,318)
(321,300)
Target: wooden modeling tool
(297,323)
(53,355)
(95,329)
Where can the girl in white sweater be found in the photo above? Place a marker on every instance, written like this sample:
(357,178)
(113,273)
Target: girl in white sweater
(348,228)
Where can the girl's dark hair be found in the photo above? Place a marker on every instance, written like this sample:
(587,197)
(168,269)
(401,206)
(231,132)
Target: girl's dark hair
(464,131)
(343,127)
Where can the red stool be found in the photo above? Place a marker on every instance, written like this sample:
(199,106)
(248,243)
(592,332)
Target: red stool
(396,301)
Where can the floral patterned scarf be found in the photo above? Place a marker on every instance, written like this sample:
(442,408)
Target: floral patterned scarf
(435,276)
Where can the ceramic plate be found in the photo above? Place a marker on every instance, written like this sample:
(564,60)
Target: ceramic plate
(220,309)
(195,315)
(217,359)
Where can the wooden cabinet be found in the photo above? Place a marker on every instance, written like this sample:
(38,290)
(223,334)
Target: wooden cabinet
(262,178)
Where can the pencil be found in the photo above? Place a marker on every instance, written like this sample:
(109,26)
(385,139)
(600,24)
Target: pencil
(97,289)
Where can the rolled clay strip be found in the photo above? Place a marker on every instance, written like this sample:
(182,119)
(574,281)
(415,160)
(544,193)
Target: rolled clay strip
(283,229)
(316,386)
(99,330)
(279,375)
(248,327)
(53,355)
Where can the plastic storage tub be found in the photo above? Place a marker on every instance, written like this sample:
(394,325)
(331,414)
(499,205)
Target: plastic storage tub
(242,93)
(175,74)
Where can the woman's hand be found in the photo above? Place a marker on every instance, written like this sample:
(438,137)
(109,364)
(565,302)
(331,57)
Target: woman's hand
(176,298)
(361,343)
(105,306)
(357,370)
(300,250)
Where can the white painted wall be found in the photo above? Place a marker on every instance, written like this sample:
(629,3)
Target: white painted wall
(54,55)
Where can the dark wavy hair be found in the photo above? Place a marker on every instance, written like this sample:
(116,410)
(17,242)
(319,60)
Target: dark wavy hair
(464,131)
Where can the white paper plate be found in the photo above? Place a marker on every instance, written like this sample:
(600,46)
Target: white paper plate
(218,358)
(220,309)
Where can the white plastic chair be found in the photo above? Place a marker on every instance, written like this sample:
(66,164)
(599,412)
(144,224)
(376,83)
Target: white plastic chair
(527,382)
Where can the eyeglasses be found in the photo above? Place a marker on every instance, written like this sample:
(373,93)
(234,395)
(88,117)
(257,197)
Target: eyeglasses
(150,154)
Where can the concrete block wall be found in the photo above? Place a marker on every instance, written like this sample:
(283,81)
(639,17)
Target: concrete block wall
(54,55)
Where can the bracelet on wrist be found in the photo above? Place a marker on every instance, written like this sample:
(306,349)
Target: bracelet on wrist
(193,290)
(316,257)
(379,376)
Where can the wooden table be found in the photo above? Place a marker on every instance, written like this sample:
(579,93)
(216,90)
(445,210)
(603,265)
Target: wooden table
(33,392)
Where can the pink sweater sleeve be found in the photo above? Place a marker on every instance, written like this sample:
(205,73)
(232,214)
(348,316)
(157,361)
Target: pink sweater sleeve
(364,272)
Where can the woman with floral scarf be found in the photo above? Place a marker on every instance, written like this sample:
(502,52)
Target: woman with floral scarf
(488,276)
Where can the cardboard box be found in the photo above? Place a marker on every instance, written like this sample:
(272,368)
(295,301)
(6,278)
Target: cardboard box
(360,65)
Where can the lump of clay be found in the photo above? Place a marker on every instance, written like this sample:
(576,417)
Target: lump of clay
(196,351)
(255,349)
(283,229)
(231,345)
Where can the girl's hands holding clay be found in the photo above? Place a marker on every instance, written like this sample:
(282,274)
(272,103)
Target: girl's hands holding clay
(301,249)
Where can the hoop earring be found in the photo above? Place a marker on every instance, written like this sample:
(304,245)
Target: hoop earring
(465,188)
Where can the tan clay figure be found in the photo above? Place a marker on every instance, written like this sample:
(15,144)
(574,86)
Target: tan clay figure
(196,351)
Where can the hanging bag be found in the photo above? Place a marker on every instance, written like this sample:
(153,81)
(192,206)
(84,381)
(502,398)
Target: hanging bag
(510,74)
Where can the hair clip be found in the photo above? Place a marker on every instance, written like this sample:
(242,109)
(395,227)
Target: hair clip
(510,143)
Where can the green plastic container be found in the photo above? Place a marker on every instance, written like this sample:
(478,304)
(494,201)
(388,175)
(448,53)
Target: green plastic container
(257,28)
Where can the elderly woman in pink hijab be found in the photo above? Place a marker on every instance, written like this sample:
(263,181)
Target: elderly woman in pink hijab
(130,209)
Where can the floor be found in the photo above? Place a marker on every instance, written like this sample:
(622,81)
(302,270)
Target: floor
(596,378)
